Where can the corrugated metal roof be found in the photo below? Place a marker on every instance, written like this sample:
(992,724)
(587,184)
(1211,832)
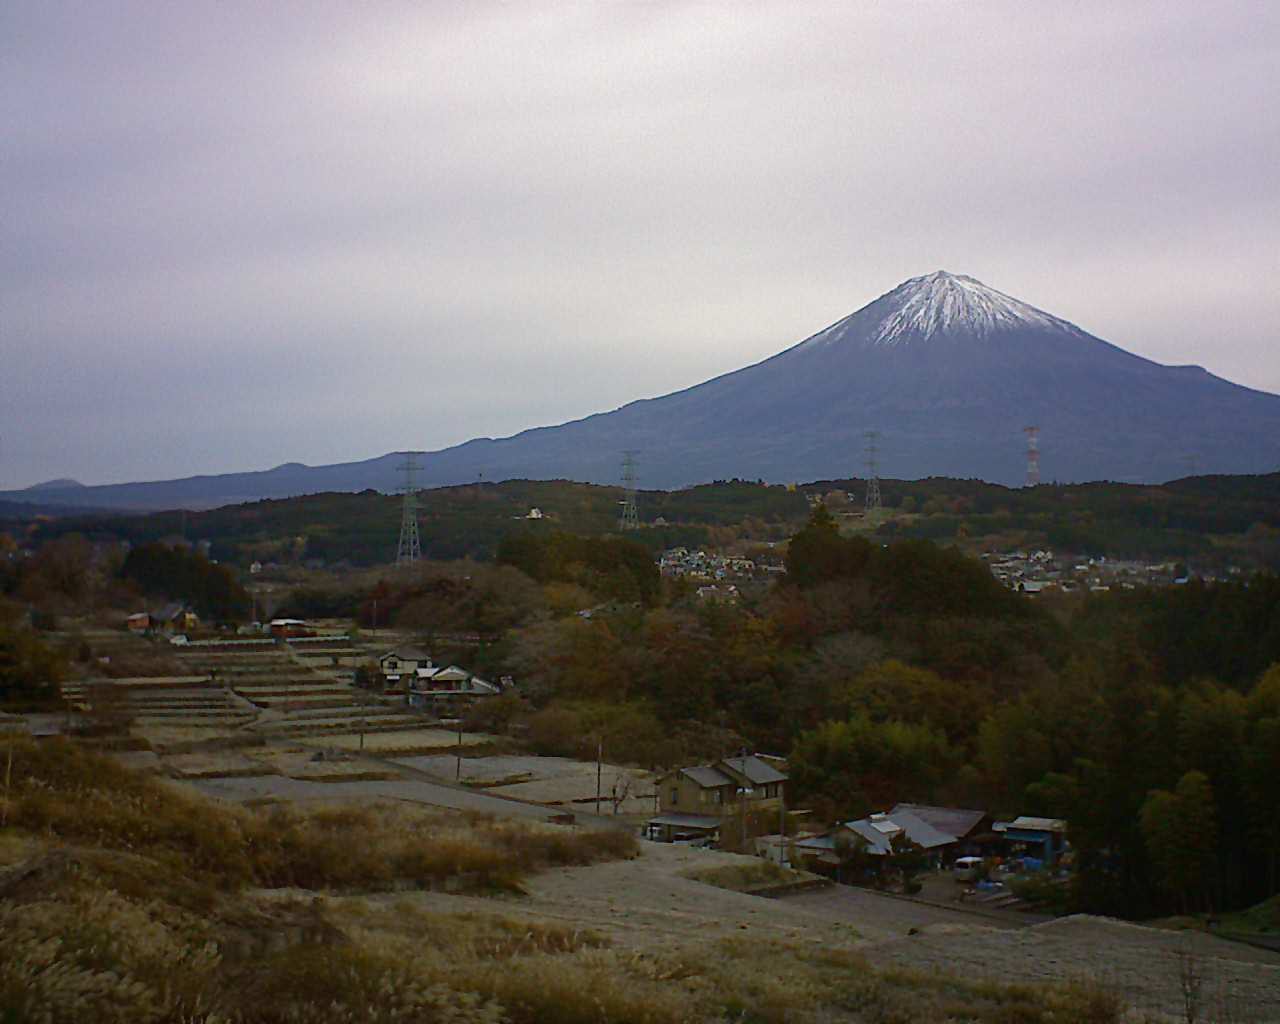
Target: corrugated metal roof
(1031,824)
(921,832)
(755,770)
(952,820)
(408,654)
(686,821)
(707,777)
(877,842)
(879,837)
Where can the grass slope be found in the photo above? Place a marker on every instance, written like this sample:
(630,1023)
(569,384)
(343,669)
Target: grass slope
(125,900)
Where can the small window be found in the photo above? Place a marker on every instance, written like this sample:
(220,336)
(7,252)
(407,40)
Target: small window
(675,796)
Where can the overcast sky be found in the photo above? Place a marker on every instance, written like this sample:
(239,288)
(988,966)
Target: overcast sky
(236,235)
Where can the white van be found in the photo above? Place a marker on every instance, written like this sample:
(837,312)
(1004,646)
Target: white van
(967,869)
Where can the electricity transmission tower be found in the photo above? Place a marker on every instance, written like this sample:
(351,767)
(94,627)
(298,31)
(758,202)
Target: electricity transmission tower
(872,508)
(629,518)
(1033,455)
(410,549)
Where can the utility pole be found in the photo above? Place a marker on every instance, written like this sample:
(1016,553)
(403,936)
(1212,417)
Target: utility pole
(743,793)
(599,759)
(782,825)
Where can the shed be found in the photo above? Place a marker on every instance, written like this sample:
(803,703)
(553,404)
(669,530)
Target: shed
(676,828)
(1044,838)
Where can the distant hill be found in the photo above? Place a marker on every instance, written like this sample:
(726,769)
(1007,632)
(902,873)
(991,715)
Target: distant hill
(1212,521)
(948,370)
(455,522)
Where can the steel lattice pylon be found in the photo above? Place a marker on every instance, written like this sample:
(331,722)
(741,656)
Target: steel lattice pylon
(410,549)
(1033,455)
(872,507)
(629,518)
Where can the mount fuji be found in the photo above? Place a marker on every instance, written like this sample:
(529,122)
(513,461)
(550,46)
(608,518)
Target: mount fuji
(946,369)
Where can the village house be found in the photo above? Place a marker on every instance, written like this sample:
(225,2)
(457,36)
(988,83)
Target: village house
(172,618)
(450,685)
(693,802)
(400,666)
(285,629)
(411,671)
(971,829)
(829,853)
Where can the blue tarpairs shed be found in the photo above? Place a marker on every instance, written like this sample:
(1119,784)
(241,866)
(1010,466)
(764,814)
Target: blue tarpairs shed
(1044,838)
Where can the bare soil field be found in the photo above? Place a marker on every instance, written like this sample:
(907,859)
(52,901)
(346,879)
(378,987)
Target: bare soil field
(549,780)
(407,741)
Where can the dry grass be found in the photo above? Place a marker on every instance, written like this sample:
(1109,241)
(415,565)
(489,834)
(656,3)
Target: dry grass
(91,946)
(751,877)
(61,790)
(153,919)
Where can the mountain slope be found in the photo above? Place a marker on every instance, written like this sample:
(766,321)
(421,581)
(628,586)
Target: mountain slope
(946,369)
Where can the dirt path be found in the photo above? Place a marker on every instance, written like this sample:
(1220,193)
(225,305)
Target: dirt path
(1145,965)
(646,904)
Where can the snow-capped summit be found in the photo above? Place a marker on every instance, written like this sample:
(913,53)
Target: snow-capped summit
(934,304)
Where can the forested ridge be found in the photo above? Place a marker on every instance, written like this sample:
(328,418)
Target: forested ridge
(1210,522)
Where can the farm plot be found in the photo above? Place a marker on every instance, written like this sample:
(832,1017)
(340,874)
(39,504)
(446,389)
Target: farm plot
(550,780)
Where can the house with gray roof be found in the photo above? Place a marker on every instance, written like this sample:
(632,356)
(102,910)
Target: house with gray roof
(972,829)
(713,792)
(874,835)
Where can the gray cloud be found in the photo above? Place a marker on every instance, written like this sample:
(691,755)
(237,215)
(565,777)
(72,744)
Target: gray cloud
(237,235)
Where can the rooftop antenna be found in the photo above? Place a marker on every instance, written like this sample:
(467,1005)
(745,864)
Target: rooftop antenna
(629,519)
(1033,455)
(872,508)
(410,549)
